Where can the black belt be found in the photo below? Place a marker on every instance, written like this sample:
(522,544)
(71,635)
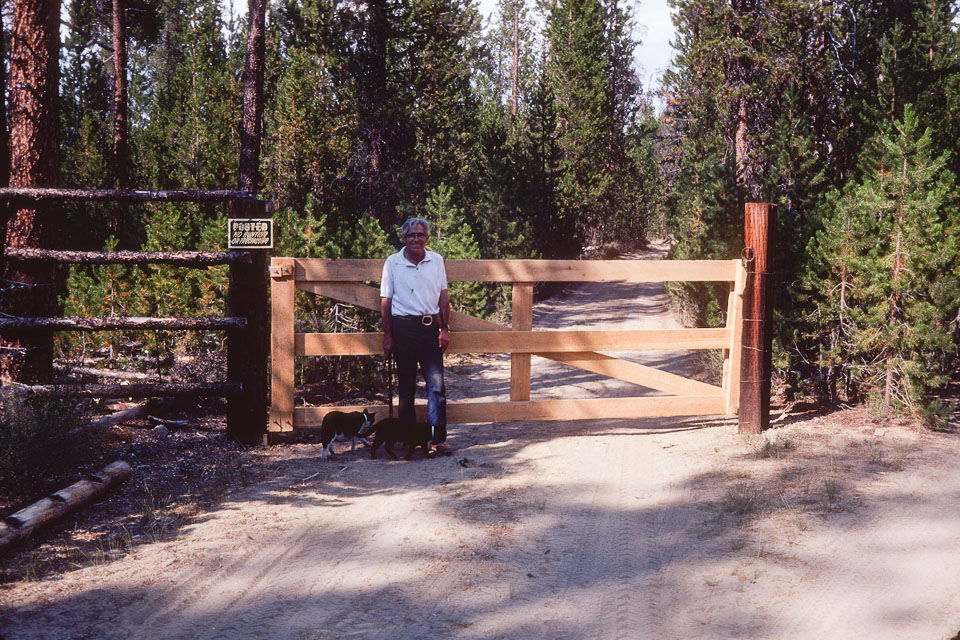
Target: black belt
(424,320)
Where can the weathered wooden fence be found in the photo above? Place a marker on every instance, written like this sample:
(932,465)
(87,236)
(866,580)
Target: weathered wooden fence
(341,280)
(246,322)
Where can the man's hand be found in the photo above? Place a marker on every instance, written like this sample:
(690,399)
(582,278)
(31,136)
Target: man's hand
(386,305)
(444,339)
(387,343)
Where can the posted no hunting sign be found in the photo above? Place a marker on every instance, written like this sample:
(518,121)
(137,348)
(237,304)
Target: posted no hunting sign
(249,233)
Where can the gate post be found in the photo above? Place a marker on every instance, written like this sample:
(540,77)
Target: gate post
(247,348)
(759,236)
(283,289)
(522,321)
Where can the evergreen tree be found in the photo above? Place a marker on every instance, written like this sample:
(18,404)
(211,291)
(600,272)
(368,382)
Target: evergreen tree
(832,290)
(554,230)
(443,40)
(578,68)
(310,124)
(34,120)
(893,246)
(451,237)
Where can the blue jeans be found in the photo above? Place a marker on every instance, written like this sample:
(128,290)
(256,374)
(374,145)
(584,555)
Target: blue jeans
(415,344)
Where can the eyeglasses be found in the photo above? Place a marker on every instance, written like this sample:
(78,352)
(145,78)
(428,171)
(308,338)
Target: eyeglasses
(416,236)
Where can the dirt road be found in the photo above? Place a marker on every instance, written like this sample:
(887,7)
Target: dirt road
(830,527)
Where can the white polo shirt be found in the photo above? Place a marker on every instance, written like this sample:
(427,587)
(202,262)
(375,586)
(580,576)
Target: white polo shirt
(414,288)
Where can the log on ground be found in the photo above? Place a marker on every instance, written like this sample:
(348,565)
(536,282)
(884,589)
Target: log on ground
(24,522)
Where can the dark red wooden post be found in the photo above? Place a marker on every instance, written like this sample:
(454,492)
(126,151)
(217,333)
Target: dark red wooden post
(760,227)
(248,348)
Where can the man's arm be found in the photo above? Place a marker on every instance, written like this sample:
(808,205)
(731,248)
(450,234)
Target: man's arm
(444,320)
(386,305)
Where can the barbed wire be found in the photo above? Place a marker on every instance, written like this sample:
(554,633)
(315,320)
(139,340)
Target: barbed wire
(21,283)
(18,351)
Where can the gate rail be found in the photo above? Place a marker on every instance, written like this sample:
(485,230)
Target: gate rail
(341,280)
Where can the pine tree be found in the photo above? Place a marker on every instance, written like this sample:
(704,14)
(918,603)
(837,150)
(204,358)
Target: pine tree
(443,40)
(451,237)
(34,83)
(893,247)
(310,123)
(833,289)
(578,69)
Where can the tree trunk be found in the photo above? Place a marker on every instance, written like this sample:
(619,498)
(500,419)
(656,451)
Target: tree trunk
(24,522)
(516,52)
(120,148)
(741,74)
(252,124)
(34,79)
(379,199)
(5,210)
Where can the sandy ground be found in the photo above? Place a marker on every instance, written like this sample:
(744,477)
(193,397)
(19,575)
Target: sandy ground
(828,527)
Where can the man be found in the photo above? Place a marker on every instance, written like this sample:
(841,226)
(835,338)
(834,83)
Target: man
(416,313)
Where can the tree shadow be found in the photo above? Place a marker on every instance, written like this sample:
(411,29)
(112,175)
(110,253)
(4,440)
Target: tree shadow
(619,567)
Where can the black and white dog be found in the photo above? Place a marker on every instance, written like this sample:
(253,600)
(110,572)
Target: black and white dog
(339,423)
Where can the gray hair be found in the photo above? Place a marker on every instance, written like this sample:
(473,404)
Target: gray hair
(412,222)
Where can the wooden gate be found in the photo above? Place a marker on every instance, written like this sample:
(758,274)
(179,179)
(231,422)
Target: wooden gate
(341,280)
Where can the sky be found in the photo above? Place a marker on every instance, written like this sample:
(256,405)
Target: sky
(655,31)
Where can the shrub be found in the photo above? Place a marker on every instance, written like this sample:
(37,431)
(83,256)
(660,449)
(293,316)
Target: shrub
(36,439)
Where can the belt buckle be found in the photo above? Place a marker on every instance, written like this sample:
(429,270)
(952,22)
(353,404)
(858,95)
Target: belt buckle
(426,320)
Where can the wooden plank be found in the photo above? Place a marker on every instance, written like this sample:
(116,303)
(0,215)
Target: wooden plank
(735,323)
(360,295)
(358,344)
(282,294)
(522,321)
(636,373)
(569,409)
(327,270)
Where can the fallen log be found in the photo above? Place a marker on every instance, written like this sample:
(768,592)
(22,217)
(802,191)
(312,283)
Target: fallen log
(24,522)
(118,417)
(169,421)
(103,373)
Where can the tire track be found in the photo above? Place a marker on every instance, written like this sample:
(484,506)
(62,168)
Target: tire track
(199,612)
(315,593)
(167,610)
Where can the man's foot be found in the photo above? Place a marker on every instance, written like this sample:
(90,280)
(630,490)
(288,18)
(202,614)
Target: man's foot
(441,448)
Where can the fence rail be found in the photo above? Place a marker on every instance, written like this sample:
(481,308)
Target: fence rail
(246,321)
(177,258)
(141,390)
(20,194)
(108,323)
(342,280)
